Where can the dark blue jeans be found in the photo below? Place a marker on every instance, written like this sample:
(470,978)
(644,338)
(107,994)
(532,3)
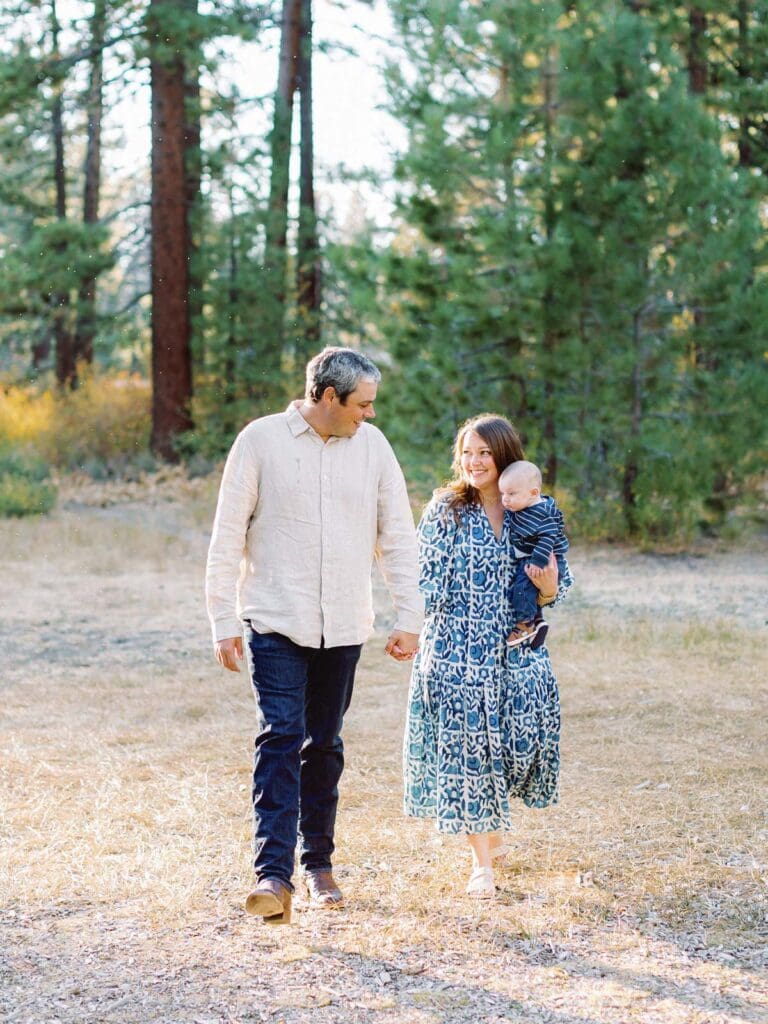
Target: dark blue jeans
(302,694)
(525,595)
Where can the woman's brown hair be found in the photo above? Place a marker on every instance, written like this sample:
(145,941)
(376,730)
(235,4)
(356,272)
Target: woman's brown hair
(506,448)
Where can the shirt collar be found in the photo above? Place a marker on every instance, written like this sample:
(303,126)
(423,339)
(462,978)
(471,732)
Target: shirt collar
(296,422)
(298,425)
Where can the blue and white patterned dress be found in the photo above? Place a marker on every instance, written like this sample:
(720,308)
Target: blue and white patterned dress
(483,719)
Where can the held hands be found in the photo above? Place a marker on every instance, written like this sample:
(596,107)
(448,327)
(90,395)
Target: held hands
(401,645)
(228,652)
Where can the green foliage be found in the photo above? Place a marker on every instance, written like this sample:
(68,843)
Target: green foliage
(25,485)
(232,384)
(23,463)
(54,257)
(48,253)
(22,497)
(577,244)
(569,257)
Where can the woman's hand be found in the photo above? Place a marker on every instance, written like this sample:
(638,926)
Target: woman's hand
(545,580)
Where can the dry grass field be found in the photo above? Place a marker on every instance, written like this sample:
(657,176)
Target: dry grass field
(125,819)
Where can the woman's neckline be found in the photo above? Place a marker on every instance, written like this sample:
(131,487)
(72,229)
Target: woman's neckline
(495,506)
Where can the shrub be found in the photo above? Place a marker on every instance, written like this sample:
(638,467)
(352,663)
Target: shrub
(25,485)
(20,496)
(104,424)
(22,463)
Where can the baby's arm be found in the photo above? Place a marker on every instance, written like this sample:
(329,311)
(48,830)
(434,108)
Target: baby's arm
(539,557)
(545,580)
(546,534)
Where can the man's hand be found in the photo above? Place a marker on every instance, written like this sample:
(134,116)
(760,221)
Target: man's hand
(229,652)
(401,645)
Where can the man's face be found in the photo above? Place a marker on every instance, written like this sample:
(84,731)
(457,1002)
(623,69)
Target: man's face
(345,420)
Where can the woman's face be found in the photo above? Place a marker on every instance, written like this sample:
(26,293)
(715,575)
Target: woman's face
(477,463)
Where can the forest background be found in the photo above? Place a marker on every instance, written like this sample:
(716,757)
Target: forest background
(571,232)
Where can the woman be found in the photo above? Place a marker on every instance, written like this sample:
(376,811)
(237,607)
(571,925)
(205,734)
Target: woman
(483,719)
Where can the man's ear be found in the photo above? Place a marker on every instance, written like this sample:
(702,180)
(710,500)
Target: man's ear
(328,395)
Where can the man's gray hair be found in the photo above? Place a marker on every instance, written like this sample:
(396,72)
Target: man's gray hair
(341,369)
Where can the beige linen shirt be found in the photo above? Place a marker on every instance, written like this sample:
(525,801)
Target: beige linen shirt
(298,524)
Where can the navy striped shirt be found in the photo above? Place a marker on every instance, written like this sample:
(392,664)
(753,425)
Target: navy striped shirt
(539,530)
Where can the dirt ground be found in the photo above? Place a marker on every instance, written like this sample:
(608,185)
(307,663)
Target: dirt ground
(125,820)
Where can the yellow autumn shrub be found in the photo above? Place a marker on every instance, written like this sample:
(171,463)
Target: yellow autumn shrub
(105,421)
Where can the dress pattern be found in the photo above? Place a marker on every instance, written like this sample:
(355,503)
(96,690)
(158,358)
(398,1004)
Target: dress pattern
(483,719)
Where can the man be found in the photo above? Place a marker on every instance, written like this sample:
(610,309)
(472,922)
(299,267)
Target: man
(308,498)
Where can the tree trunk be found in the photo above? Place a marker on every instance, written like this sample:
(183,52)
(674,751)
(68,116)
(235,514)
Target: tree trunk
(744,71)
(308,294)
(549,336)
(277,213)
(171,351)
(86,305)
(632,463)
(229,382)
(697,57)
(65,354)
(192,177)
(504,105)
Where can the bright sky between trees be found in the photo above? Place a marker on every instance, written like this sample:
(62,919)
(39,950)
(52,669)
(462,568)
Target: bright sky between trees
(351,131)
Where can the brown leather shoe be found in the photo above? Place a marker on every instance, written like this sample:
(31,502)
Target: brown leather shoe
(322,890)
(271,900)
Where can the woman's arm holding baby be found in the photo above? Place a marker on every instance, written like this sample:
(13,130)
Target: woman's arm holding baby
(545,580)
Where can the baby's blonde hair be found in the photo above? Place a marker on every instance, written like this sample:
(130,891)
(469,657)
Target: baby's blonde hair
(524,472)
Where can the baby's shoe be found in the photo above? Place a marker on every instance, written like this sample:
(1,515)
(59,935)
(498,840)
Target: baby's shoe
(531,633)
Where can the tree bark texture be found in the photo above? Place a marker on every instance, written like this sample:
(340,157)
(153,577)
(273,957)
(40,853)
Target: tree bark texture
(193,173)
(631,457)
(65,354)
(277,213)
(549,338)
(697,57)
(744,71)
(86,306)
(308,284)
(171,349)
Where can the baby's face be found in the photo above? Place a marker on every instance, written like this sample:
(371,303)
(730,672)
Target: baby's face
(517,494)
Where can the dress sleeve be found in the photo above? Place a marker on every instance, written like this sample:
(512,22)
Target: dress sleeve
(437,537)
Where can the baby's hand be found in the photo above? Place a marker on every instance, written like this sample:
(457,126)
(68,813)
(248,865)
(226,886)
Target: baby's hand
(534,571)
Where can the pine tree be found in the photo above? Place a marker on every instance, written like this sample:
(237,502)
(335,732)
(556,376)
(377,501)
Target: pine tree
(50,253)
(565,251)
(172,155)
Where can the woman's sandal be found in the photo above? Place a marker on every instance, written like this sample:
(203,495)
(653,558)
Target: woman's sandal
(480,885)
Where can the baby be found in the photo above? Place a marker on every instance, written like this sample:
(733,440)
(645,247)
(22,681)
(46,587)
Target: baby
(537,531)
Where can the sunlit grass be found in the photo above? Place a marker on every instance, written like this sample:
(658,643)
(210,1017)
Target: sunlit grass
(126,789)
